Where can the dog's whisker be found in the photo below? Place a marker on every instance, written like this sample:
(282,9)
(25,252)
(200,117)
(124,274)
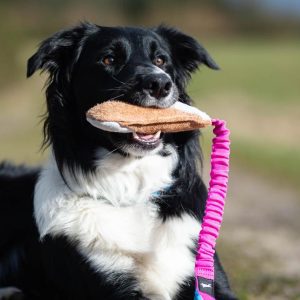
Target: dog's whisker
(118,88)
(116,79)
(122,88)
(114,150)
(113,98)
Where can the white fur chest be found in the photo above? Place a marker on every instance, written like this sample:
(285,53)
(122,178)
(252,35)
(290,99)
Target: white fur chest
(112,217)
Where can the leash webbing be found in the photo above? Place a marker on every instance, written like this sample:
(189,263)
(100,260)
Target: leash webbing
(204,265)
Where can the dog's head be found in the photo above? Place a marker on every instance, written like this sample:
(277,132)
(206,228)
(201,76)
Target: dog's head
(89,64)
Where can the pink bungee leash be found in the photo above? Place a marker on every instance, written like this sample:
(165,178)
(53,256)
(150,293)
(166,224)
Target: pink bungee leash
(204,265)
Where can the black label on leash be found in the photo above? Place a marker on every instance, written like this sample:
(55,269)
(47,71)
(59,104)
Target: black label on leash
(206,286)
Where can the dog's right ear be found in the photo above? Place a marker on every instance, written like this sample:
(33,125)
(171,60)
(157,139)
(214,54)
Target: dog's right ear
(59,50)
(188,54)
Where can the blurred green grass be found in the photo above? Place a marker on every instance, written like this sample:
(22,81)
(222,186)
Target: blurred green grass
(281,162)
(265,70)
(259,80)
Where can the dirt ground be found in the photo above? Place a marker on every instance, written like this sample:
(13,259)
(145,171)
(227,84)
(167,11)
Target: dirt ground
(259,241)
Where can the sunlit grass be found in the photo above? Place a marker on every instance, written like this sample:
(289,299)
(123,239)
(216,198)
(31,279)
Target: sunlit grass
(277,162)
(267,71)
(266,77)
(24,146)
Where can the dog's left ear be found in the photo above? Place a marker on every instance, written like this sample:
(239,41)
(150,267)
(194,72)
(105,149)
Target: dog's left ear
(57,51)
(186,51)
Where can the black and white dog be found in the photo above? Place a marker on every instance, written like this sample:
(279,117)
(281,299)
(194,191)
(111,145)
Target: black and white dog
(110,216)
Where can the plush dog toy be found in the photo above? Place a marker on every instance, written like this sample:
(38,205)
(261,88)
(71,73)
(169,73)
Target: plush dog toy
(117,116)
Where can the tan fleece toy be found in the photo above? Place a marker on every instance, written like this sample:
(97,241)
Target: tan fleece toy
(118,116)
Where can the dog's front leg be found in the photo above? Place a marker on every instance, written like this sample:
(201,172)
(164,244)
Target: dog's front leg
(170,264)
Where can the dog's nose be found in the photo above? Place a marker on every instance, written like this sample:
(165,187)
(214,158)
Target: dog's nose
(157,85)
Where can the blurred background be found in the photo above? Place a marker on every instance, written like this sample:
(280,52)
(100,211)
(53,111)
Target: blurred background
(257,45)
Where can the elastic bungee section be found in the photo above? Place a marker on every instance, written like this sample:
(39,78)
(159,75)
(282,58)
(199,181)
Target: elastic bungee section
(204,265)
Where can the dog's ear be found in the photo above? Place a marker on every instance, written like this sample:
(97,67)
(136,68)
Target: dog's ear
(187,53)
(57,51)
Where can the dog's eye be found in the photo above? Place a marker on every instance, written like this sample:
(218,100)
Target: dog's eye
(159,61)
(108,60)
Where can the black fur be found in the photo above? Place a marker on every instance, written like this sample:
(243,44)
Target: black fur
(52,268)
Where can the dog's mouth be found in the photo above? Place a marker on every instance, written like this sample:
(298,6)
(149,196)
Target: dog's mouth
(138,144)
(144,143)
(147,139)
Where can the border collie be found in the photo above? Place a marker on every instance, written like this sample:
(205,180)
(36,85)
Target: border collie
(110,216)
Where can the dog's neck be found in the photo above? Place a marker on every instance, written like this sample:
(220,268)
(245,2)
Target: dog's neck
(117,179)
